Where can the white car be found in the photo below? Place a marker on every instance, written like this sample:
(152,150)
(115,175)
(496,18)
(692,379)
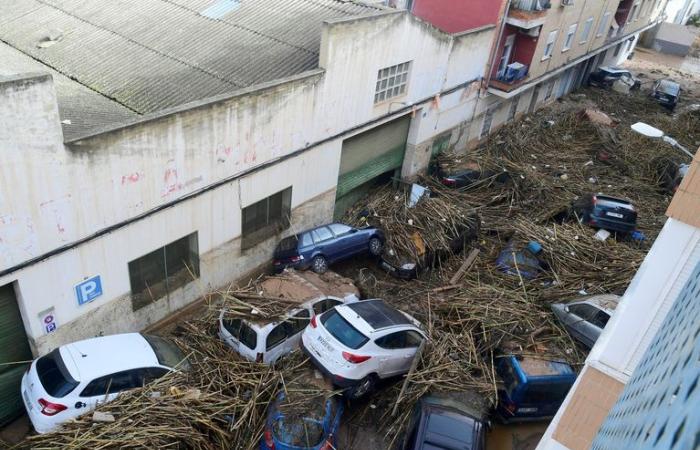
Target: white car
(268,341)
(72,379)
(355,345)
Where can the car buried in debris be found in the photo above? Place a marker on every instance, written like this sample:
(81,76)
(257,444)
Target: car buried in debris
(358,344)
(305,294)
(446,422)
(585,318)
(532,388)
(606,76)
(319,247)
(74,378)
(311,426)
(667,93)
(606,212)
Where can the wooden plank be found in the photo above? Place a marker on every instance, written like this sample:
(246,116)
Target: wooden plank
(414,365)
(465,266)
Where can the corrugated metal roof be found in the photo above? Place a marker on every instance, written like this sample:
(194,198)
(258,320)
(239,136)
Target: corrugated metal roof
(149,55)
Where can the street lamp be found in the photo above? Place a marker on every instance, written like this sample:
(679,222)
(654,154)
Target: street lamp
(649,131)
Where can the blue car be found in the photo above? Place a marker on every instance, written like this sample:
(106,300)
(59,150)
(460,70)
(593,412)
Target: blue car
(324,245)
(533,389)
(314,429)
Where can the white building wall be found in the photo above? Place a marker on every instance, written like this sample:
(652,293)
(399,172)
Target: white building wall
(111,198)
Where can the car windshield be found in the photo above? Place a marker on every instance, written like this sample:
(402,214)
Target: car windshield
(54,375)
(168,353)
(341,329)
(298,432)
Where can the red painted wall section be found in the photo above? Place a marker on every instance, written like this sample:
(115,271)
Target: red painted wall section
(523,48)
(454,16)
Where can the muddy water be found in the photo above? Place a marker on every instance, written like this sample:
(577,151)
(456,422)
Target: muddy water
(515,437)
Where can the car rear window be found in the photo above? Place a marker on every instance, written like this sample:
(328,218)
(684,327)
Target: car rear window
(242,332)
(54,375)
(611,202)
(167,352)
(288,243)
(341,329)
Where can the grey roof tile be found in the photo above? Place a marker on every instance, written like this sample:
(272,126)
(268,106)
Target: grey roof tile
(149,55)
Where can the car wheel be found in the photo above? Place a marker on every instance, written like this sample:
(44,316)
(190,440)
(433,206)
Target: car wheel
(375,246)
(364,387)
(319,264)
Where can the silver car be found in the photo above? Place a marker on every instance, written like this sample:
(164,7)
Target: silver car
(585,318)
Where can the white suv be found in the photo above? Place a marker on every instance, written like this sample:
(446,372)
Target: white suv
(266,341)
(358,344)
(72,379)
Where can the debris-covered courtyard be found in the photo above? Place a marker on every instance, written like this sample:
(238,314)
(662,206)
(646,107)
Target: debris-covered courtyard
(479,266)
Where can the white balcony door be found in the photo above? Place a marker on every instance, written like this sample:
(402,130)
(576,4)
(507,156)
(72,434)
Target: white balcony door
(505,57)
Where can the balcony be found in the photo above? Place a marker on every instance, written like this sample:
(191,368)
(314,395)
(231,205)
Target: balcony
(515,75)
(528,14)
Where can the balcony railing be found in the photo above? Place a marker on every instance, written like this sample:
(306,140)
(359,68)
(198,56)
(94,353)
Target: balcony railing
(532,5)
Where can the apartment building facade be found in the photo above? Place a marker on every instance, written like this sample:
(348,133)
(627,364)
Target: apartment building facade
(547,48)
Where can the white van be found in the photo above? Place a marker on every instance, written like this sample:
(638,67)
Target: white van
(267,339)
(266,342)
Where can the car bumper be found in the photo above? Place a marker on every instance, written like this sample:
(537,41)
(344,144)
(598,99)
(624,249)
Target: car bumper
(337,380)
(41,423)
(301,265)
(614,225)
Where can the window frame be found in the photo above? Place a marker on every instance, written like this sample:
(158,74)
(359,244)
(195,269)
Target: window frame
(384,87)
(604,21)
(590,315)
(549,44)
(107,379)
(569,39)
(253,231)
(139,268)
(586,30)
(284,325)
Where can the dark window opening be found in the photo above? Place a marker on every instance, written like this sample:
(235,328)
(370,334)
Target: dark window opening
(266,218)
(54,375)
(157,274)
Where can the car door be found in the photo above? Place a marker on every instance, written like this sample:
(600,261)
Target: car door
(398,350)
(275,341)
(297,323)
(345,240)
(241,337)
(105,389)
(324,243)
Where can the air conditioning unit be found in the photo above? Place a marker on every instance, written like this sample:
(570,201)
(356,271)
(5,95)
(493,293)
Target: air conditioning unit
(567,2)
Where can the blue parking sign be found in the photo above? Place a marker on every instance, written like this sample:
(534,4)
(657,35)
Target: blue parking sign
(88,290)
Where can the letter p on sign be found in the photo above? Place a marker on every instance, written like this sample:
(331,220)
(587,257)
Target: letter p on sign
(88,290)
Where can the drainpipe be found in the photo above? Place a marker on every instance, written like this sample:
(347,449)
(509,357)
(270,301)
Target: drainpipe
(498,43)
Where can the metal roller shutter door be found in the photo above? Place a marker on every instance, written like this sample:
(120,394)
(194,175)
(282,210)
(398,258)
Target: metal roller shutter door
(13,347)
(371,154)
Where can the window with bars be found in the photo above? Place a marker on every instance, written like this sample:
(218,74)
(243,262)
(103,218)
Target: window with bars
(266,218)
(392,82)
(159,273)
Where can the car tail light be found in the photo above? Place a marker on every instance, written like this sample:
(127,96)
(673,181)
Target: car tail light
(267,437)
(313,322)
(355,359)
(296,258)
(259,358)
(449,181)
(51,409)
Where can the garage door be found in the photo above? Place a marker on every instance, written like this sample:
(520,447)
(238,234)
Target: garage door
(13,348)
(369,155)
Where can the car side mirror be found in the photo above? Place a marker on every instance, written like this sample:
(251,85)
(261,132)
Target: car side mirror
(566,308)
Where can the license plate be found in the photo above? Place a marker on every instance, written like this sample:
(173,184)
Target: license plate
(612,214)
(26,400)
(325,344)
